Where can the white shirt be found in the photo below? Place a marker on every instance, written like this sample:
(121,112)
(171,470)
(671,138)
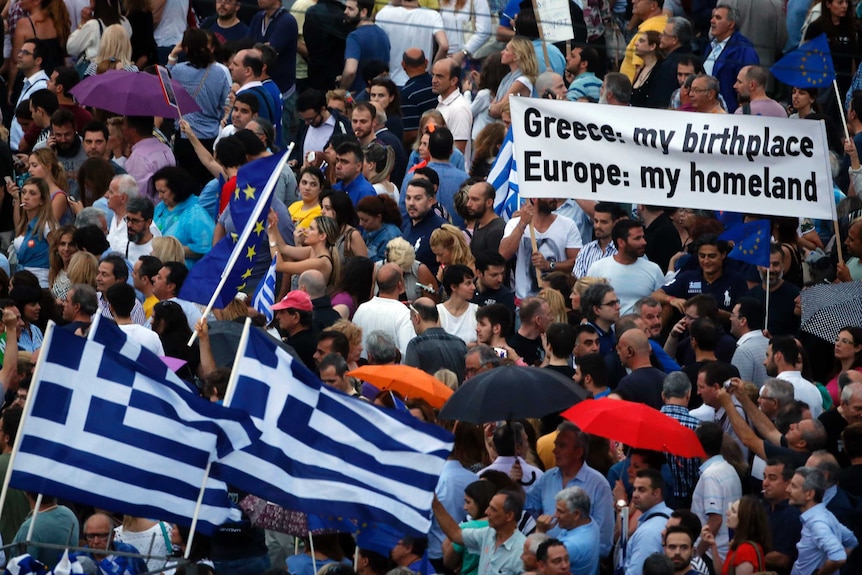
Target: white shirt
(804,390)
(459,119)
(118,238)
(463,326)
(630,281)
(387,315)
(561,235)
(408,28)
(146,337)
(504,464)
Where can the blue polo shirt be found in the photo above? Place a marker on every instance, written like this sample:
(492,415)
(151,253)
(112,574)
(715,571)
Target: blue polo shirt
(365,44)
(726,289)
(357,189)
(419,236)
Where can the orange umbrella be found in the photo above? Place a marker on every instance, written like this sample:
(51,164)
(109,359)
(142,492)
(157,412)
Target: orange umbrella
(406,380)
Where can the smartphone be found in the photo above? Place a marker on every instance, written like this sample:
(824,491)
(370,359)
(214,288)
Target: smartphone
(501,352)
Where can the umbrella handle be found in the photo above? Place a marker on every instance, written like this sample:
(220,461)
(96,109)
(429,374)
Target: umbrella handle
(531,481)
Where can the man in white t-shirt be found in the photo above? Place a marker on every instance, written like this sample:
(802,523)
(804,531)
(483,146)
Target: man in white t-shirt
(628,271)
(409,26)
(121,301)
(557,239)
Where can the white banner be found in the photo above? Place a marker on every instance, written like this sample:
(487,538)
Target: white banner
(556,20)
(748,164)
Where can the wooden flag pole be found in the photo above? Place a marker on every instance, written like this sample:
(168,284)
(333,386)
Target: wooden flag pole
(847,136)
(542,38)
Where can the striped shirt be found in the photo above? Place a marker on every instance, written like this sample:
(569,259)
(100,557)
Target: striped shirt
(589,254)
(684,470)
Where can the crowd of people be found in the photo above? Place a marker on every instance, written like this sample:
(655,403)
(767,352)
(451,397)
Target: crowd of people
(388,250)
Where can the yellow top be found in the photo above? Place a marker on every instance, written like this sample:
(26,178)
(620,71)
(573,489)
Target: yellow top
(302,218)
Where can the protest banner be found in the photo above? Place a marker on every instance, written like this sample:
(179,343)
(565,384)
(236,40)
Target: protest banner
(555,20)
(748,164)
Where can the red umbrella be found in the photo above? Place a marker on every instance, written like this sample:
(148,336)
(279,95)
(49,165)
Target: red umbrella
(635,424)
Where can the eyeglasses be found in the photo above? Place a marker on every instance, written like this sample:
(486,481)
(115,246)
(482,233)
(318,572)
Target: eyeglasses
(699,90)
(93,536)
(21,396)
(311,119)
(612,303)
(134,221)
(23,52)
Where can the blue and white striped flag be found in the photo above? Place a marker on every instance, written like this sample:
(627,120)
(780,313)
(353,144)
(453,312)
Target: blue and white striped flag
(264,295)
(324,452)
(101,431)
(504,178)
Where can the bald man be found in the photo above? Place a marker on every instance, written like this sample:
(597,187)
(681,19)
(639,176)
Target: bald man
(384,312)
(644,383)
(99,534)
(416,95)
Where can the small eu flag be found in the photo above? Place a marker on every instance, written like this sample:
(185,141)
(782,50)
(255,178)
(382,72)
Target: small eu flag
(809,66)
(750,242)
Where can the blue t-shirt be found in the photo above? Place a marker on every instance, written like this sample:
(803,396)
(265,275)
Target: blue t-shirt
(357,189)
(282,34)
(236,32)
(365,44)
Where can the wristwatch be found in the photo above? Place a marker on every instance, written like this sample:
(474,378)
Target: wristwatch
(553,265)
(466,53)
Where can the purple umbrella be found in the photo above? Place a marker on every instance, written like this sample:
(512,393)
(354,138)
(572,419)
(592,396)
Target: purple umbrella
(132,94)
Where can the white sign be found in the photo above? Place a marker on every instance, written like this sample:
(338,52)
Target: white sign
(556,20)
(748,164)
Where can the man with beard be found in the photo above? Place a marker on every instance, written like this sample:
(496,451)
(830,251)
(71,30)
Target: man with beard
(490,273)
(488,229)
(679,548)
(557,240)
(318,125)
(132,230)
(225,23)
(365,43)
(631,275)
(781,295)
(605,216)
(420,198)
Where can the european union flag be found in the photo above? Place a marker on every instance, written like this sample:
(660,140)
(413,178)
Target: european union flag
(232,256)
(750,242)
(809,66)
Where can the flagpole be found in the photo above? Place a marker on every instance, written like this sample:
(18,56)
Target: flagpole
(228,395)
(847,136)
(94,326)
(28,408)
(246,232)
(768,287)
(33,517)
(311,544)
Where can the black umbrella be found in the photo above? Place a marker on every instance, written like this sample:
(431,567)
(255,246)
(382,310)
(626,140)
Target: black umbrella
(512,392)
(224,341)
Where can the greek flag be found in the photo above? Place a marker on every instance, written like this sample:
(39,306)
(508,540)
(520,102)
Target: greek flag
(264,295)
(504,178)
(324,452)
(101,430)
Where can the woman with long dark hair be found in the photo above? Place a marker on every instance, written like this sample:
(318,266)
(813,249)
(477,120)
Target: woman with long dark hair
(644,92)
(47,21)
(838,22)
(209,87)
(170,323)
(355,286)
(381,221)
(848,355)
(752,538)
(349,243)
(383,91)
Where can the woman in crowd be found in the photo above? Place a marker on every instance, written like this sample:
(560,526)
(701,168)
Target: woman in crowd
(450,248)
(205,82)
(383,91)
(94,179)
(377,169)
(168,249)
(45,165)
(117,146)
(169,321)
(644,87)
(468,26)
(35,224)
(82,269)
(752,538)
(683,219)
(143,44)
(837,21)
(63,247)
(785,232)
(48,21)
(142,533)
(179,214)
(520,56)
(848,355)
(315,250)
(348,242)
(380,221)
(418,279)
(83,43)
(341,101)
(428,122)
(115,52)
(353,333)
(305,210)
(485,84)
(487,146)
(557,304)
(457,313)
(355,286)
(804,101)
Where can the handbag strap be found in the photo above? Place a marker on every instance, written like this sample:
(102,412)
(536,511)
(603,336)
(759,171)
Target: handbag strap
(168,544)
(201,85)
